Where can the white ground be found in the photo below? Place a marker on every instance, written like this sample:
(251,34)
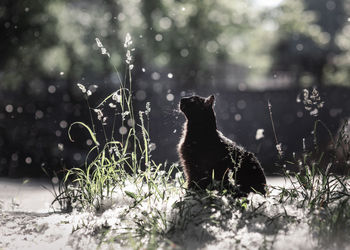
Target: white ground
(27,222)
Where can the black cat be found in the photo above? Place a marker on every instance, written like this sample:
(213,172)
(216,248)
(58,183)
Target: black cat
(206,154)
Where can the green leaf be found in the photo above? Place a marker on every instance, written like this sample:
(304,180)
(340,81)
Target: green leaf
(131,194)
(92,134)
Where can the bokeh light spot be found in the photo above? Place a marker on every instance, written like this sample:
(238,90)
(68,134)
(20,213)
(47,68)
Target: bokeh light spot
(123,130)
(9,108)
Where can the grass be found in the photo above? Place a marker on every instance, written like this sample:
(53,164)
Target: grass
(151,208)
(316,187)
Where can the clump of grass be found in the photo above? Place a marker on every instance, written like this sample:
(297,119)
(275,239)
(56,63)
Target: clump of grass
(315,186)
(120,168)
(112,161)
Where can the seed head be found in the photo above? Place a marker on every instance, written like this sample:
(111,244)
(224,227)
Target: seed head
(312,101)
(259,134)
(103,49)
(112,105)
(99,44)
(116,97)
(128,40)
(128,57)
(279,149)
(148,108)
(81,87)
(99,114)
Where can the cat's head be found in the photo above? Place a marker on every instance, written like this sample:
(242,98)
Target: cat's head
(198,108)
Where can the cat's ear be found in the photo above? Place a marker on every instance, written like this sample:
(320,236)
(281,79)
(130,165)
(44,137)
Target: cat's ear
(210,100)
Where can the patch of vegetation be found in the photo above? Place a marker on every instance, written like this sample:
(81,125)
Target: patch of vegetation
(139,203)
(316,186)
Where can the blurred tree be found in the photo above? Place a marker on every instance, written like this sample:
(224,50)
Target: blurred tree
(26,29)
(339,71)
(306,43)
(41,39)
(49,46)
(201,41)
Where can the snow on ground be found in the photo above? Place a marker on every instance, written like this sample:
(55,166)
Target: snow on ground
(25,195)
(28,223)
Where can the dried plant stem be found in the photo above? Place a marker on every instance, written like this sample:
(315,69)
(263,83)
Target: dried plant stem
(273,126)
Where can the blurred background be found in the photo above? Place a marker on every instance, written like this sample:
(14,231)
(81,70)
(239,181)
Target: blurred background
(245,52)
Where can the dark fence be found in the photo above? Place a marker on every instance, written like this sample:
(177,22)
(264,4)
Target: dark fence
(33,128)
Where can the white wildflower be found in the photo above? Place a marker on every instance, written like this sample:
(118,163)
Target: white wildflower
(81,87)
(99,113)
(127,44)
(128,40)
(152,146)
(259,134)
(124,114)
(312,101)
(99,44)
(148,108)
(89,93)
(92,89)
(315,95)
(114,150)
(131,66)
(116,97)
(103,49)
(320,105)
(112,105)
(104,121)
(279,149)
(314,112)
(105,52)
(128,57)
(111,150)
(307,102)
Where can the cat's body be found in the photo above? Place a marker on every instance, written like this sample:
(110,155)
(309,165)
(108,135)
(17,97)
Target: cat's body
(205,153)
